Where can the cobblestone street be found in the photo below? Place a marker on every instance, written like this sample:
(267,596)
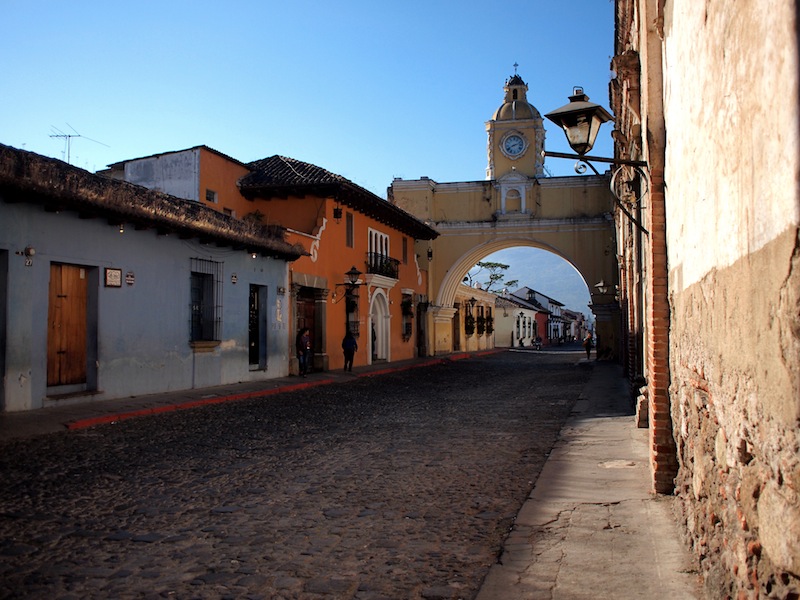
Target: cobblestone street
(398,486)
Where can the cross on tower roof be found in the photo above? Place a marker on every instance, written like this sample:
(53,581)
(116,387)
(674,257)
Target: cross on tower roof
(515,68)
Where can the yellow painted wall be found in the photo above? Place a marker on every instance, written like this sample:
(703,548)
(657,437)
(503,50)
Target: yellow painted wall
(467,218)
(569,216)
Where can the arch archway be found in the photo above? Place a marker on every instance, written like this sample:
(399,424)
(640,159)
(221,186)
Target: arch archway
(470,258)
(572,217)
(591,252)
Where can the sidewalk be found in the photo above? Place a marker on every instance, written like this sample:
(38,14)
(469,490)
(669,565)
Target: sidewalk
(590,528)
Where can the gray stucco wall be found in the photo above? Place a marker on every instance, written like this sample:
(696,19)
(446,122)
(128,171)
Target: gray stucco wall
(175,173)
(143,329)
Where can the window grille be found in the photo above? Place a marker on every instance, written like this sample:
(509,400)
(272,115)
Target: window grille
(350,230)
(206,300)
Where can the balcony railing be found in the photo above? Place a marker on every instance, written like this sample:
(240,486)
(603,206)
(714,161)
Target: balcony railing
(379,264)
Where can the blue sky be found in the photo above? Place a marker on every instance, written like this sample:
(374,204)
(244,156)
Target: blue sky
(369,90)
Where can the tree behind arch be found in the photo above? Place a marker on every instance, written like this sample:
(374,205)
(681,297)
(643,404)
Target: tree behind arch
(494,271)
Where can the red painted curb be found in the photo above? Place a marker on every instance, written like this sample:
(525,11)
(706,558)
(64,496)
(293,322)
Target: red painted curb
(427,363)
(145,412)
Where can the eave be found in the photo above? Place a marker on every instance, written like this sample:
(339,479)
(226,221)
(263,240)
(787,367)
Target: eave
(350,195)
(56,186)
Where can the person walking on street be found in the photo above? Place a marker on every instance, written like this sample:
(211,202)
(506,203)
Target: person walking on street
(349,346)
(303,349)
(587,345)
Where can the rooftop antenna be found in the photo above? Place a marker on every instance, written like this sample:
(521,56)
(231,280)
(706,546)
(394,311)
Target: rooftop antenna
(68,138)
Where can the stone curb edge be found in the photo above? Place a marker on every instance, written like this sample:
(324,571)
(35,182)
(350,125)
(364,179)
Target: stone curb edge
(189,404)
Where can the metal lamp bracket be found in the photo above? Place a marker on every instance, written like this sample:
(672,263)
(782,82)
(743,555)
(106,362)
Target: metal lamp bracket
(585,161)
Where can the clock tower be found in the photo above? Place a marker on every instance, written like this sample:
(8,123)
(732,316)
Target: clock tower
(515,134)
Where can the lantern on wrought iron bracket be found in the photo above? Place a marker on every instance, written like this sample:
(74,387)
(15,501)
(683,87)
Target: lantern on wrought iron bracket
(581,121)
(351,286)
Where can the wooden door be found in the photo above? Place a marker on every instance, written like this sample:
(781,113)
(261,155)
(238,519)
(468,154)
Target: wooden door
(258,326)
(306,307)
(254,328)
(66,335)
(457,329)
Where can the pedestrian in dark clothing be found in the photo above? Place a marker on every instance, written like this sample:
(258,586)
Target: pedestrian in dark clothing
(587,345)
(303,349)
(349,345)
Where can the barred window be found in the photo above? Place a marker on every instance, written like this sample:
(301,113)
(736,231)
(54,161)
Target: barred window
(206,300)
(350,230)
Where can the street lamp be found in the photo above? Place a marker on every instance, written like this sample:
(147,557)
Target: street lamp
(581,121)
(352,276)
(602,287)
(351,300)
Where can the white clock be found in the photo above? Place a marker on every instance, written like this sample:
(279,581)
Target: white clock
(514,145)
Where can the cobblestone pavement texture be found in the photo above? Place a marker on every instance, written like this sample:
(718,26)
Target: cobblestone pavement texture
(399,486)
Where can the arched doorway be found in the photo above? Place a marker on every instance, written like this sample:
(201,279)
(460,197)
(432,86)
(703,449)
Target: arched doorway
(380,327)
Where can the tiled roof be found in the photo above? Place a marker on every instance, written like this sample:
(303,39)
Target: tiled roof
(32,178)
(283,171)
(281,177)
(523,303)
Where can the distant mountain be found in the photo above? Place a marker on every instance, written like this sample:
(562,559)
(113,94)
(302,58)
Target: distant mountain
(546,273)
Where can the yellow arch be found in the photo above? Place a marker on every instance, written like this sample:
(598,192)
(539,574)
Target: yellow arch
(572,217)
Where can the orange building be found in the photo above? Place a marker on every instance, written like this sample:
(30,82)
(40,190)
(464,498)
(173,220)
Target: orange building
(343,226)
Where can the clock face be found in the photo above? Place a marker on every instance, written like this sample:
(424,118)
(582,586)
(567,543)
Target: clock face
(514,145)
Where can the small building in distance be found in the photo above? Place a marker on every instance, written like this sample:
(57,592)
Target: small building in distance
(520,322)
(575,324)
(553,330)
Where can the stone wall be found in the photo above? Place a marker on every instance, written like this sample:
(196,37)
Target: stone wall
(730,84)
(735,387)
(707,93)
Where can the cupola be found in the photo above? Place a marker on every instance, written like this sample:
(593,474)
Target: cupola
(515,103)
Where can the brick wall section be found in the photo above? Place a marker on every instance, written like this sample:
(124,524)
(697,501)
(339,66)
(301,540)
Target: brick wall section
(663,461)
(629,305)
